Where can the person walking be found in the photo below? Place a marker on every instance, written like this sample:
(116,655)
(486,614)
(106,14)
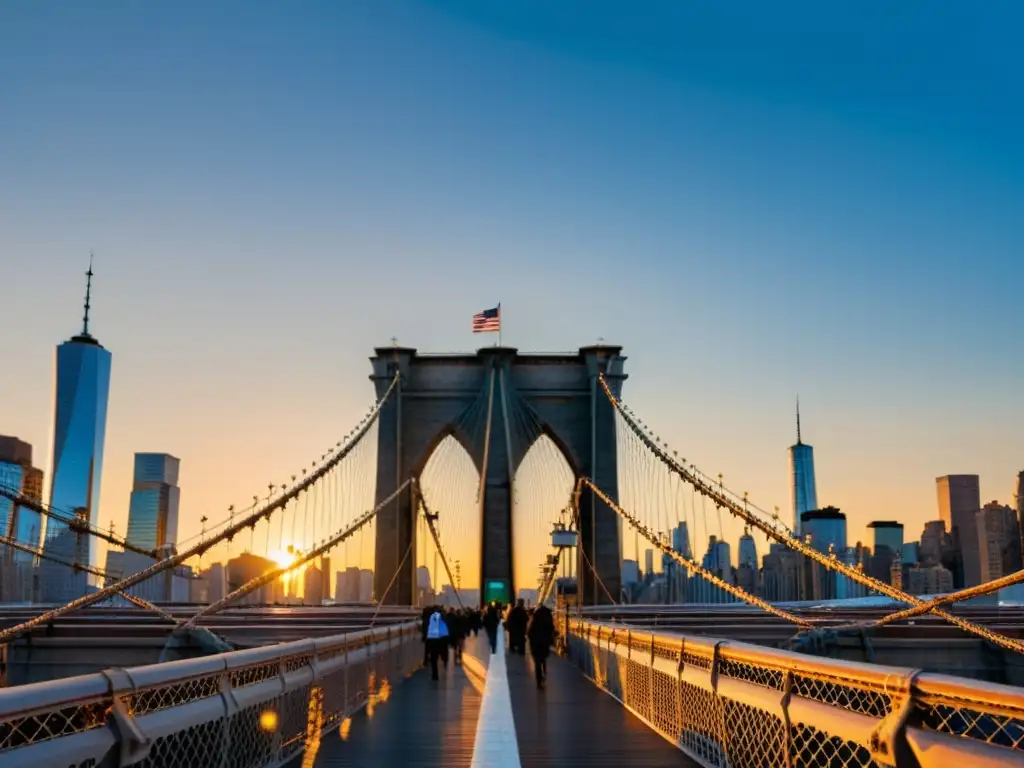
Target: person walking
(516,626)
(437,641)
(541,633)
(492,622)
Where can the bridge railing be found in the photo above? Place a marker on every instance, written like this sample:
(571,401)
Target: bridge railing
(257,708)
(729,704)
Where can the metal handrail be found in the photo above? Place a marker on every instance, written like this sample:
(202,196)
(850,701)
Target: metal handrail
(728,703)
(121,716)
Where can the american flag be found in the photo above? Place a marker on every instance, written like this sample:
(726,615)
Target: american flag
(488,321)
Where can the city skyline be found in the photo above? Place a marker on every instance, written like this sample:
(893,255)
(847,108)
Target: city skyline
(900,385)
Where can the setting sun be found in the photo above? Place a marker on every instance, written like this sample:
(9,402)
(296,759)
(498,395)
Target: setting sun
(282,558)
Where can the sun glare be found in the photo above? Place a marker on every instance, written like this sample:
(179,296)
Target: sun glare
(282,558)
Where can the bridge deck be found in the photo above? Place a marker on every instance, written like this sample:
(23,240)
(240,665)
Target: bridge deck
(426,723)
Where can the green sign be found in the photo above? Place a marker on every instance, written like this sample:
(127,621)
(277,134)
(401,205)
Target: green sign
(496,590)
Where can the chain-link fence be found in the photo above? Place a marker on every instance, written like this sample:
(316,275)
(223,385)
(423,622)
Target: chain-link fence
(258,708)
(728,704)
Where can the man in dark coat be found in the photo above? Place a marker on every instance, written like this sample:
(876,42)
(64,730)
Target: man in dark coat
(491,622)
(516,626)
(541,633)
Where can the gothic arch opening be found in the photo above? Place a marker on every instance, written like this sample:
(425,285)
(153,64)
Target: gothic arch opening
(544,482)
(450,484)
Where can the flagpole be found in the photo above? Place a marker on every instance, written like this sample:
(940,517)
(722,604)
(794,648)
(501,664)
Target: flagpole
(499,325)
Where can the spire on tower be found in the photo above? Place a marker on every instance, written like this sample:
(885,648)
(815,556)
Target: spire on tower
(798,440)
(88,292)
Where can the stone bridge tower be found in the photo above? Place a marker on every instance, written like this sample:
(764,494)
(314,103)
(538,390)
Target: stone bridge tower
(496,403)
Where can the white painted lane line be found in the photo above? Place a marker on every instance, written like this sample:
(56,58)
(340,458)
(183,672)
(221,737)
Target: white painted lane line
(496,745)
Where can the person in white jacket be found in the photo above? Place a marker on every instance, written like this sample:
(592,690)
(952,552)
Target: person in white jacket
(437,640)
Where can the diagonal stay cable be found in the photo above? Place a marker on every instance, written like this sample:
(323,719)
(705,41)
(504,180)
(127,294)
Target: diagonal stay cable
(928,606)
(691,565)
(74,523)
(718,496)
(440,550)
(137,601)
(279,503)
(269,576)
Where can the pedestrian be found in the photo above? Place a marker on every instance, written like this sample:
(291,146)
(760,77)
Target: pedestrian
(492,622)
(516,626)
(437,641)
(542,636)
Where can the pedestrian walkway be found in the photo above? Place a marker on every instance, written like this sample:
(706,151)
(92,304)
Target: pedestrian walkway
(426,723)
(573,723)
(423,723)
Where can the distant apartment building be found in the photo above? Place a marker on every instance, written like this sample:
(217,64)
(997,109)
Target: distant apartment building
(929,580)
(998,532)
(247,567)
(630,572)
(312,586)
(210,585)
(782,575)
(748,575)
(365,585)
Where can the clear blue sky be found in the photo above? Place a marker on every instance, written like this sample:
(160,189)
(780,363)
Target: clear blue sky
(754,200)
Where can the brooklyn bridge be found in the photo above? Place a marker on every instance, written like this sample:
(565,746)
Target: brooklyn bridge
(740,681)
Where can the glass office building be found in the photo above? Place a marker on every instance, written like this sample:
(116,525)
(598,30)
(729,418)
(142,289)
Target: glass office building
(153,511)
(805,493)
(827,531)
(79,431)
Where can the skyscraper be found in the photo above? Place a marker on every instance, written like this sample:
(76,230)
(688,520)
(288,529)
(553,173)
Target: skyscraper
(18,569)
(801,460)
(747,574)
(153,510)
(79,431)
(998,541)
(17,474)
(959,502)
(827,531)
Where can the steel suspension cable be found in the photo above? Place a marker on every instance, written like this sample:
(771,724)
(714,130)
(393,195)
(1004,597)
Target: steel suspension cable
(440,549)
(74,523)
(719,496)
(691,565)
(204,545)
(105,575)
(270,576)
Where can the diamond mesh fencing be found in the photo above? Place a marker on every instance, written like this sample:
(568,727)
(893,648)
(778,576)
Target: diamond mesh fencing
(732,705)
(259,708)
